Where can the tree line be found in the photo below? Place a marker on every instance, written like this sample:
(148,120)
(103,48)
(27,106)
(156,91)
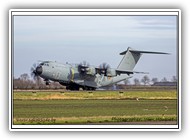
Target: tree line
(147,81)
(24,82)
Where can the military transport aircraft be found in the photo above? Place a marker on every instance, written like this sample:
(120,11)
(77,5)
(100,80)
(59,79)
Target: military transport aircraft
(86,76)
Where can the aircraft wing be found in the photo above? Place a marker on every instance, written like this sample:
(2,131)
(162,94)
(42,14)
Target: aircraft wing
(129,72)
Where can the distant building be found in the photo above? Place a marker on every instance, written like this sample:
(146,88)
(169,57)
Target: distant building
(165,84)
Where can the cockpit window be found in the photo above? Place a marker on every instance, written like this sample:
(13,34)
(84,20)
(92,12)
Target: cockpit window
(45,64)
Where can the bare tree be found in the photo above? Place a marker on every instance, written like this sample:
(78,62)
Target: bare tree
(24,80)
(145,80)
(154,80)
(136,81)
(164,80)
(127,82)
(24,77)
(16,83)
(39,84)
(174,79)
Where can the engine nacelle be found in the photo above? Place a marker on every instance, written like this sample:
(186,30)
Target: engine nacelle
(111,72)
(91,71)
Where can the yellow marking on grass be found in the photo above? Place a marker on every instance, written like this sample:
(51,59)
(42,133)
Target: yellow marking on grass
(73,74)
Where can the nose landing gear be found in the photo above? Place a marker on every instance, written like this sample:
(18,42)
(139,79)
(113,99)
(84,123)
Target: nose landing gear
(47,82)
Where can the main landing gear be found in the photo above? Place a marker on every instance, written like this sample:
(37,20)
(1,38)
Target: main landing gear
(76,87)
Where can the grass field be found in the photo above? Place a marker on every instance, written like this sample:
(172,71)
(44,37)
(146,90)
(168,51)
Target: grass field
(46,95)
(93,107)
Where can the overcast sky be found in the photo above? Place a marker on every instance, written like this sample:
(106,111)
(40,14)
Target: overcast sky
(96,39)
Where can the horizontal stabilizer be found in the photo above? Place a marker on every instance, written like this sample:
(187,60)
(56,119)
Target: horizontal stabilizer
(129,72)
(134,51)
(139,52)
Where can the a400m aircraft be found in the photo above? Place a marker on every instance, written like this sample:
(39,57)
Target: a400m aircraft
(86,76)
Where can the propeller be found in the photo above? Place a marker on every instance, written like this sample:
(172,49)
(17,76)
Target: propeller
(83,67)
(36,70)
(104,68)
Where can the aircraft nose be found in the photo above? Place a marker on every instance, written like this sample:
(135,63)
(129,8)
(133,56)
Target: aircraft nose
(39,70)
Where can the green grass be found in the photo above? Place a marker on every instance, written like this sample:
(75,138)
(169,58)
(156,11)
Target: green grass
(92,111)
(46,95)
(83,107)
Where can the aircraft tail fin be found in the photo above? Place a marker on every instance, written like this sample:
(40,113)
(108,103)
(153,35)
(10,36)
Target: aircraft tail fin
(131,58)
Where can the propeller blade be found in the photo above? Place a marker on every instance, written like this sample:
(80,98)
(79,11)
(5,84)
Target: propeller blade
(83,67)
(104,68)
(33,73)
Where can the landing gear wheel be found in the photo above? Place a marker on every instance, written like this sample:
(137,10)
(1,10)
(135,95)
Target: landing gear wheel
(88,88)
(72,87)
(47,83)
